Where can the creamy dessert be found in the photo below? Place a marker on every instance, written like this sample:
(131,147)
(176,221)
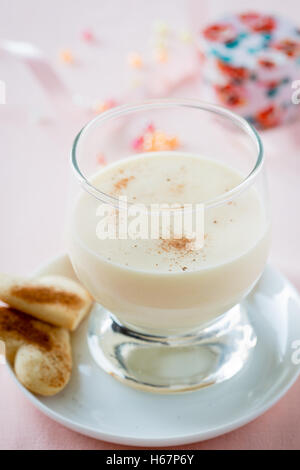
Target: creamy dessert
(167,284)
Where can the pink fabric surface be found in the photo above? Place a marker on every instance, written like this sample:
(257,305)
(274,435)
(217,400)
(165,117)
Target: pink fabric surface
(34,176)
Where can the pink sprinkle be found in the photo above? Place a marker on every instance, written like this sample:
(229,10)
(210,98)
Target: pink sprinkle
(110,103)
(87,35)
(137,143)
(101,160)
(150,128)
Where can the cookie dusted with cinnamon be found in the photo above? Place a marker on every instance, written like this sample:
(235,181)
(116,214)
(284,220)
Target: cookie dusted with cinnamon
(39,353)
(57,300)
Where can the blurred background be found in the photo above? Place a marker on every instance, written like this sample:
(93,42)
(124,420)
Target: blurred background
(63,62)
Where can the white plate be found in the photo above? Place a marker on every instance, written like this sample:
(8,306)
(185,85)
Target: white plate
(96,405)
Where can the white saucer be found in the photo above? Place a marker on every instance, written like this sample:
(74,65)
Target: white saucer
(97,405)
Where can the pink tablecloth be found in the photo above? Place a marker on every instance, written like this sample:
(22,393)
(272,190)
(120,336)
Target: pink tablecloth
(34,177)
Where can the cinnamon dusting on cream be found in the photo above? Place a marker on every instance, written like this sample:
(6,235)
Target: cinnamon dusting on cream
(182,244)
(123,183)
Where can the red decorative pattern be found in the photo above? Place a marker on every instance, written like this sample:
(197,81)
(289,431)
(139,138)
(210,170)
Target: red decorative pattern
(220,32)
(230,95)
(268,117)
(258,23)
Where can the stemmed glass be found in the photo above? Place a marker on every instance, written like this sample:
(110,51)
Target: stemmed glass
(172,331)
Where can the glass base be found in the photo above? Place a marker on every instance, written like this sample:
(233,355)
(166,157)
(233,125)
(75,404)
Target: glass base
(170,364)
